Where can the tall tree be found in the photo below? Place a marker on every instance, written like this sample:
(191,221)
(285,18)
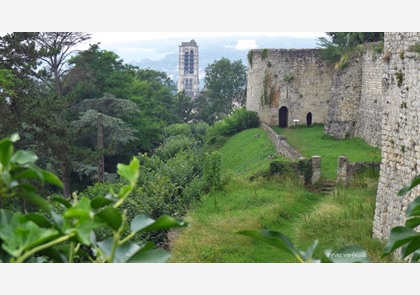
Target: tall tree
(96,71)
(224,88)
(55,131)
(56,48)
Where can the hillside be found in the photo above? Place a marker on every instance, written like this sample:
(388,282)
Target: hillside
(280,203)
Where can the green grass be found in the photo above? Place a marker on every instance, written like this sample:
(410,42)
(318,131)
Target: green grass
(312,141)
(247,152)
(342,218)
(212,237)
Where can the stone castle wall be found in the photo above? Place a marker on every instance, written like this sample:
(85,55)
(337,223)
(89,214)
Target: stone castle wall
(400,131)
(355,108)
(296,79)
(369,119)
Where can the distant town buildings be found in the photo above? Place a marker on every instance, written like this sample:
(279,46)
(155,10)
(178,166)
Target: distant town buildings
(188,69)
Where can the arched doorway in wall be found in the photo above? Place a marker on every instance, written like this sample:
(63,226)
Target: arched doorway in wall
(309,119)
(283,117)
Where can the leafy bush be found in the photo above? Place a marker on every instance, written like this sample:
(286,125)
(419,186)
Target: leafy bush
(60,237)
(240,120)
(177,129)
(212,171)
(173,145)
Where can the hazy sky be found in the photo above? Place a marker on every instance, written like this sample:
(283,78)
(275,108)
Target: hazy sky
(113,37)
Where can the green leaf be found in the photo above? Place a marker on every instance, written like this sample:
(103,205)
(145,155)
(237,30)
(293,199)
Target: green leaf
(414,183)
(31,172)
(34,198)
(412,222)
(61,200)
(22,234)
(272,238)
(110,216)
(57,219)
(39,219)
(24,157)
(124,191)
(99,202)
(6,152)
(6,216)
(411,247)
(413,208)
(106,246)
(51,178)
(84,231)
(81,210)
(55,255)
(399,236)
(348,254)
(141,223)
(130,171)
(147,255)
(125,251)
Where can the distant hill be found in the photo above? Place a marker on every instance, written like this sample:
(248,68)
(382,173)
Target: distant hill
(162,55)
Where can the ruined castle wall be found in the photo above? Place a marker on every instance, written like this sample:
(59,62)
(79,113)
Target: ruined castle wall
(400,131)
(345,100)
(295,78)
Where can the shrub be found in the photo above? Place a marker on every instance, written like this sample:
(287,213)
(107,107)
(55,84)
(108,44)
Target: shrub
(173,145)
(240,120)
(212,171)
(177,129)
(69,234)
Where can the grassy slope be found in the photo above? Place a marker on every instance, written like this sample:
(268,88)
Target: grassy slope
(247,150)
(342,218)
(312,141)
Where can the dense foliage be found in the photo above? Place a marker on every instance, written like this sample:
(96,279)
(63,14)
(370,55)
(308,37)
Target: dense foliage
(69,234)
(224,89)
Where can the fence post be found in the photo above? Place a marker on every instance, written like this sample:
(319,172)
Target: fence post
(342,170)
(316,169)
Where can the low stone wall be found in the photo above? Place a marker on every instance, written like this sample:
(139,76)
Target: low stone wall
(346,170)
(281,145)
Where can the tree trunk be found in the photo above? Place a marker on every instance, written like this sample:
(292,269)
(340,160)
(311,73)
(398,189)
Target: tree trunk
(101,163)
(66,179)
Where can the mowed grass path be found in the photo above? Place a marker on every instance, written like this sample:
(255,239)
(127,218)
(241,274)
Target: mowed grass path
(281,203)
(312,141)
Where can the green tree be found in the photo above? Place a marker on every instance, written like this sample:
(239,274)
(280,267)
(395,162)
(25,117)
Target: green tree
(225,87)
(154,94)
(96,71)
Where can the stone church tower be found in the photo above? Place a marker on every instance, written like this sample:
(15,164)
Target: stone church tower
(188,69)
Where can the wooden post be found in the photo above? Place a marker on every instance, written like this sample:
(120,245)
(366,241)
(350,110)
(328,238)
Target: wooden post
(101,163)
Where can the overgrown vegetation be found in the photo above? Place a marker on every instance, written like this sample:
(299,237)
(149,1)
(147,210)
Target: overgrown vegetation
(400,77)
(69,236)
(268,92)
(240,119)
(264,53)
(280,202)
(339,46)
(404,238)
(250,56)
